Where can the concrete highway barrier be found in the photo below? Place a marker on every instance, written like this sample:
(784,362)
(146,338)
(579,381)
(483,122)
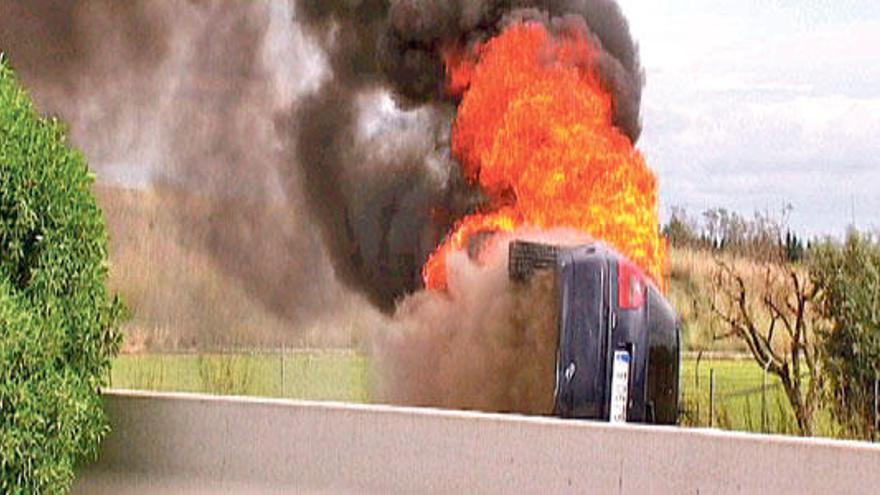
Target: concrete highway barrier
(181,443)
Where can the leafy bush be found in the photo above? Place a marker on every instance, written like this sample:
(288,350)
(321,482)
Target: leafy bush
(58,322)
(849,278)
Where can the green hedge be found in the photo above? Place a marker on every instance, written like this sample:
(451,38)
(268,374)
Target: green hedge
(58,321)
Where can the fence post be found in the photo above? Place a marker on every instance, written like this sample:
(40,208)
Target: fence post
(711,398)
(697,384)
(764,397)
(283,356)
(876,405)
(764,402)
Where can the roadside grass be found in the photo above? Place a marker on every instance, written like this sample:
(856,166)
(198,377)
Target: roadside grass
(318,375)
(346,376)
(738,398)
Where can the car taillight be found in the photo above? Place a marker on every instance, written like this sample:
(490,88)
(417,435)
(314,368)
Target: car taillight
(632,289)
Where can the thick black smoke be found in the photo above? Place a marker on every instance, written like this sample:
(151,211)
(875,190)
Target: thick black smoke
(420,29)
(201,96)
(381,215)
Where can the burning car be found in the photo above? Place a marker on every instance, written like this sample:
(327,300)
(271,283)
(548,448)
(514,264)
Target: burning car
(618,355)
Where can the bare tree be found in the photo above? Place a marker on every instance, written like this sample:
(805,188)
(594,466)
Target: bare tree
(770,305)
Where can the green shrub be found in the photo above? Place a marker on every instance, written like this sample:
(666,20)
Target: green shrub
(226,374)
(849,278)
(58,322)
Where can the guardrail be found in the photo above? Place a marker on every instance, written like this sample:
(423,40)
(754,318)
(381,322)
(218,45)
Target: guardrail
(175,443)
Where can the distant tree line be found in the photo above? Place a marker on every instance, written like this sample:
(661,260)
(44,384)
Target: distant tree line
(722,230)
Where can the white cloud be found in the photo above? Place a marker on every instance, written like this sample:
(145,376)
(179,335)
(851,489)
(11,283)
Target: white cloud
(748,107)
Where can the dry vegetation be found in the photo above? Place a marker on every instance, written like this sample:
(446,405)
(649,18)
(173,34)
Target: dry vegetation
(765,305)
(694,285)
(181,300)
(690,291)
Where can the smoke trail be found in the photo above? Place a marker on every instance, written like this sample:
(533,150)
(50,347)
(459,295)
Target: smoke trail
(379,183)
(58,45)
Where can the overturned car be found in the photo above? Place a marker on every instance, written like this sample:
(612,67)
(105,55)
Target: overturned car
(619,347)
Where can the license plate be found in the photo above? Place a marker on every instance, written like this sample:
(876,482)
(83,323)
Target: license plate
(620,386)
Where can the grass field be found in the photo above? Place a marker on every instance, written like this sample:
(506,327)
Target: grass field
(738,398)
(346,376)
(324,375)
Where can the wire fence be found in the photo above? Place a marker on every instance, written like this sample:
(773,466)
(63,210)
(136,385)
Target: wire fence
(739,395)
(734,395)
(292,373)
(725,393)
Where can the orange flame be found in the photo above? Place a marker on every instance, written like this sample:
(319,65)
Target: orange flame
(535,130)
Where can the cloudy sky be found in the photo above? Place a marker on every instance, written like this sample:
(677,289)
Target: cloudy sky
(752,104)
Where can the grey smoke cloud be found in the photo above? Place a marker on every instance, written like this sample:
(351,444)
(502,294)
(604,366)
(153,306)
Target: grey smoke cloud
(333,158)
(183,93)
